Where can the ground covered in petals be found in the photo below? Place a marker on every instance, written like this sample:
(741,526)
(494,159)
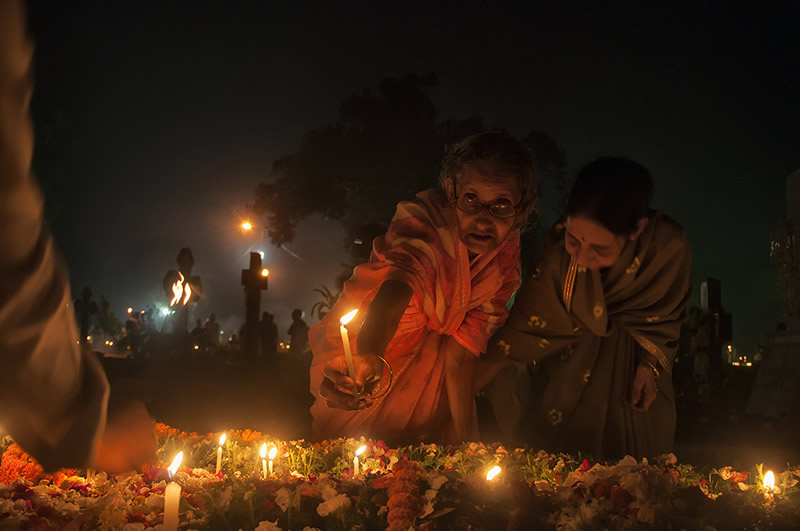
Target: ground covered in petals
(314,486)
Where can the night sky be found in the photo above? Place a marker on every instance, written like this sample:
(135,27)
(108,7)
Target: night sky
(173,111)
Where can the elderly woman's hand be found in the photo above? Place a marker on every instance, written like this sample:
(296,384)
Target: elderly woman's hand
(340,391)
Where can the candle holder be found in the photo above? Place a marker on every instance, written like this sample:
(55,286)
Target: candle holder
(374,391)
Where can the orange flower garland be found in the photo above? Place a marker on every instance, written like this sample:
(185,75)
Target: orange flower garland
(404,502)
(17,464)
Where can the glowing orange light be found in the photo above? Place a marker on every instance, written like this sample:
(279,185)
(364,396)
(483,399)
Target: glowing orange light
(272,453)
(177,290)
(180,290)
(493,473)
(360,451)
(246,225)
(265,272)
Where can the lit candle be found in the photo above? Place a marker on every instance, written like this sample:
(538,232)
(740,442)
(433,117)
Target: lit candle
(219,451)
(769,481)
(172,496)
(769,485)
(491,474)
(272,452)
(348,356)
(356,464)
(264,460)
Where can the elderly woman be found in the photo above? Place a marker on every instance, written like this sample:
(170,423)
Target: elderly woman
(599,317)
(432,293)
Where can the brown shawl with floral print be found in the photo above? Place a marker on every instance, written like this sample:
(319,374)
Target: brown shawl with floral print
(586,330)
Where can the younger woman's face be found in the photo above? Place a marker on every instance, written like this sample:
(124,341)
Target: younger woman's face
(594,246)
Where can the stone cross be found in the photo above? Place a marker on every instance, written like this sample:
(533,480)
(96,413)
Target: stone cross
(254,280)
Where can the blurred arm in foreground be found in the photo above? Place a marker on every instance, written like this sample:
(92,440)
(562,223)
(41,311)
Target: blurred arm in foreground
(53,396)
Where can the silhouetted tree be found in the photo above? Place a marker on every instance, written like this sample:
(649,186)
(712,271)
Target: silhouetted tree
(384,147)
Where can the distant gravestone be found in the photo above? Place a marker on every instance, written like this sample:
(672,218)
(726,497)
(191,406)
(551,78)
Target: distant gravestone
(719,326)
(254,279)
(86,307)
(776,392)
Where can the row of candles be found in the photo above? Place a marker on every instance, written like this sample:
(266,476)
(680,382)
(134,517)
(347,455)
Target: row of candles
(172,494)
(173,491)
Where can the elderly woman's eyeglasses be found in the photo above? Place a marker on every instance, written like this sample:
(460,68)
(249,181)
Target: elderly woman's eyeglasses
(470,204)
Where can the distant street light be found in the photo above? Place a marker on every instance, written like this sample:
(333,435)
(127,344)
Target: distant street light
(248,226)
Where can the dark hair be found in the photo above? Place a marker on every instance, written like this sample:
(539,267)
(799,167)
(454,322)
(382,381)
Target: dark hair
(613,192)
(495,151)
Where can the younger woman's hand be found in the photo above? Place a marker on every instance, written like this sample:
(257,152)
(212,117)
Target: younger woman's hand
(644,388)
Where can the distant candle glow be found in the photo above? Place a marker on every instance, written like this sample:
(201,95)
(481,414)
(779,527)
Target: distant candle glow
(246,225)
(265,272)
(493,473)
(177,290)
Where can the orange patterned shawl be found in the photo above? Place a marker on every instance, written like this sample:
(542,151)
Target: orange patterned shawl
(452,296)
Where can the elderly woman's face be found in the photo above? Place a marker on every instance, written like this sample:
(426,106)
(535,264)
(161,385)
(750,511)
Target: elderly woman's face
(483,231)
(594,246)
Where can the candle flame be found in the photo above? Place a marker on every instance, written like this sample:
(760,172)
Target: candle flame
(272,453)
(222,439)
(493,473)
(769,481)
(360,451)
(264,451)
(346,318)
(176,463)
(188,293)
(177,290)
(246,225)
(265,272)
